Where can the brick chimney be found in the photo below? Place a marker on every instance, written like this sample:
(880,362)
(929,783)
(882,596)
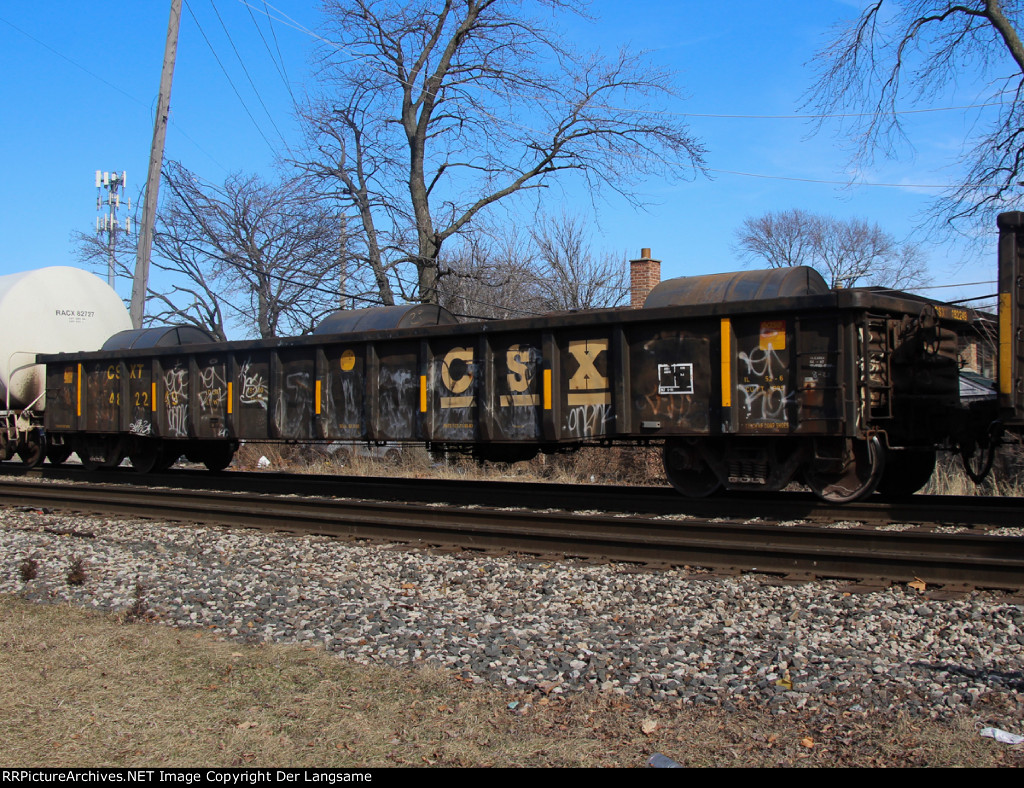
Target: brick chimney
(644,274)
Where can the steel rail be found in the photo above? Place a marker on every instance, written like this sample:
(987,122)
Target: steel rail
(919,509)
(961,559)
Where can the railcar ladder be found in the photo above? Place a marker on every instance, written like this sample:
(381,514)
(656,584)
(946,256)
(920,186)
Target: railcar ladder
(876,343)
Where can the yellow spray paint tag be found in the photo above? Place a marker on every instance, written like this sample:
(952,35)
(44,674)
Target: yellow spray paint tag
(773,335)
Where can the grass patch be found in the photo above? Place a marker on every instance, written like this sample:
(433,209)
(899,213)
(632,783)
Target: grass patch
(28,570)
(617,465)
(1005,480)
(76,574)
(86,689)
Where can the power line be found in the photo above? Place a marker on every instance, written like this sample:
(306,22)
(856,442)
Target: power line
(822,116)
(962,284)
(407,283)
(248,75)
(147,105)
(292,23)
(76,64)
(228,77)
(836,183)
(279,64)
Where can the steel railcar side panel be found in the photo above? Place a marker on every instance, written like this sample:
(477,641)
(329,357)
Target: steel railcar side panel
(789,366)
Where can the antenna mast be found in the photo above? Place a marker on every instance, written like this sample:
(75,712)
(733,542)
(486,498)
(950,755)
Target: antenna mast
(114,183)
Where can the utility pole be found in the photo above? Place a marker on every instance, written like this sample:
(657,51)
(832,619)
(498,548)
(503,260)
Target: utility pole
(115,186)
(156,158)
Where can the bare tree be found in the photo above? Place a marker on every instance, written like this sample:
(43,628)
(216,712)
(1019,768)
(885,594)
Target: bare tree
(435,110)
(780,239)
(497,272)
(352,161)
(491,275)
(897,55)
(269,253)
(570,275)
(265,258)
(846,252)
(191,293)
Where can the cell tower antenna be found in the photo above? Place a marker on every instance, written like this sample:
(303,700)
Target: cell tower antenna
(114,185)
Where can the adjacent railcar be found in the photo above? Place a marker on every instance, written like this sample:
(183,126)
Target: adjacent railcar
(45,311)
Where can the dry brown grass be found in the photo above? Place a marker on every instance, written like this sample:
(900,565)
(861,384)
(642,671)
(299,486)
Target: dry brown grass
(620,465)
(1005,480)
(84,689)
(590,465)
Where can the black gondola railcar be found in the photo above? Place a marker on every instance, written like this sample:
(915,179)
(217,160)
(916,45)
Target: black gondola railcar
(747,380)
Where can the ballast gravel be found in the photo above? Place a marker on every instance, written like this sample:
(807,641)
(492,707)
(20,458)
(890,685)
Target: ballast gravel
(549,626)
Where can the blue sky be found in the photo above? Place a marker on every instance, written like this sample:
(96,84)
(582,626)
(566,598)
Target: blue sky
(83,80)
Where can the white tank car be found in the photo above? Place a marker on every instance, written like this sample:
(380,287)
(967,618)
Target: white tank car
(51,310)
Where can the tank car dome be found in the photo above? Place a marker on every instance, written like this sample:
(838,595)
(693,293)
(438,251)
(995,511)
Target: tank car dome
(348,321)
(51,310)
(800,280)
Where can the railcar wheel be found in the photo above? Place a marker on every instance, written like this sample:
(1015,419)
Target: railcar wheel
(144,454)
(169,454)
(218,456)
(686,470)
(31,450)
(978,460)
(849,478)
(906,472)
(58,454)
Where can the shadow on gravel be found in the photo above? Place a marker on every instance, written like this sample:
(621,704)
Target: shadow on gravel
(1003,679)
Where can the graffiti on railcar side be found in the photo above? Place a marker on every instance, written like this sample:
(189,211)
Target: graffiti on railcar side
(351,414)
(762,363)
(670,379)
(588,421)
(397,389)
(682,411)
(212,388)
(345,386)
(176,401)
(253,387)
(140,427)
(762,379)
(764,403)
(294,405)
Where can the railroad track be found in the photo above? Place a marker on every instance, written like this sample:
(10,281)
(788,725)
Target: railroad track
(927,511)
(866,554)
